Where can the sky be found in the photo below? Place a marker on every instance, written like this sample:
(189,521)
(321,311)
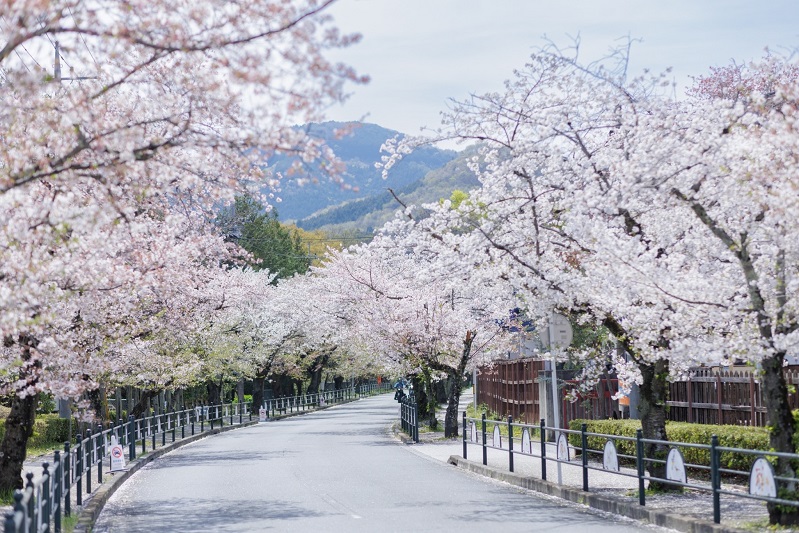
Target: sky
(422,53)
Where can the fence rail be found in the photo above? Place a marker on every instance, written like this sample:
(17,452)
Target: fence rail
(705,396)
(40,506)
(409,416)
(763,485)
(310,402)
(511,388)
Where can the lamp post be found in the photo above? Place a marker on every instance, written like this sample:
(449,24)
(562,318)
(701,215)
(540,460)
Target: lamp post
(559,335)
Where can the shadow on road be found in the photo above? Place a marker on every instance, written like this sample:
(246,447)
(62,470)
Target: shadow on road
(207,515)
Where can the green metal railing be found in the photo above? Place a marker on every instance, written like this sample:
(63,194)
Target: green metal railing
(40,506)
(311,402)
(409,416)
(475,432)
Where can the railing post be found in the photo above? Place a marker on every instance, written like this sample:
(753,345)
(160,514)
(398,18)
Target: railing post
(58,468)
(164,418)
(715,477)
(131,438)
(46,504)
(464,435)
(510,443)
(202,418)
(67,480)
(31,501)
(415,421)
(584,446)
(99,455)
(543,450)
(174,423)
(18,508)
(88,452)
(79,471)
(485,450)
(639,462)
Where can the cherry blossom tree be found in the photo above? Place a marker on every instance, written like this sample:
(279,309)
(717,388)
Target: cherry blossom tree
(107,182)
(419,318)
(557,218)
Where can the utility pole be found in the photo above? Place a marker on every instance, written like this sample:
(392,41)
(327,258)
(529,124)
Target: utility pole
(57,68)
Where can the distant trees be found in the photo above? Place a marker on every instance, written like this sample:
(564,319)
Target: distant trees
(271,245)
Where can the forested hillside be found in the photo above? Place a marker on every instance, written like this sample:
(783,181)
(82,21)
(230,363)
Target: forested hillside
(371,212)
(309,191)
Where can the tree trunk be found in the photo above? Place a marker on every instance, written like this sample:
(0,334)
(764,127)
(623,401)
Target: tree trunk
(451,418)
(214,393)
(19,428)
(19,424)
(143,403)
(652,409)
(258,391)
(428,398)
(98,400)
(338,382)
(315,373)
(441,391)
(781,431)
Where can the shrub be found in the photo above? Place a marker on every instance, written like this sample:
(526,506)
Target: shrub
(745,437)
(49,431)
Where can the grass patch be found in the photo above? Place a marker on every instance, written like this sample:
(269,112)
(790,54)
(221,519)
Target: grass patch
(68,523)
(763,525)
(7,497)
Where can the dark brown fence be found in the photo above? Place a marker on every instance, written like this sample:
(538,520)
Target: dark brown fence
(730,397)
(595,404)
(511,388)
(706,396)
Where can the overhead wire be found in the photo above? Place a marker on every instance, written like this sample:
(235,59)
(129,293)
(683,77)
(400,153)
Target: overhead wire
(96,64)
(24,64)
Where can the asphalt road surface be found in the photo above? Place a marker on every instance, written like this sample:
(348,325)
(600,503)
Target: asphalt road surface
(336,470)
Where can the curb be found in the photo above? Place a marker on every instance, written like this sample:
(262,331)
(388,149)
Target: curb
(679,522)
(91,510)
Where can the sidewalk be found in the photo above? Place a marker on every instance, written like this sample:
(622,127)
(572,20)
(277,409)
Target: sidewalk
(737,514)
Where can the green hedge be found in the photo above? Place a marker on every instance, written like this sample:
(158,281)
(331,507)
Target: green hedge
(48,431)
(745,437)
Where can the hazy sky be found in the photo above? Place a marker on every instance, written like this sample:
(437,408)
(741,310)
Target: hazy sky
(420,53)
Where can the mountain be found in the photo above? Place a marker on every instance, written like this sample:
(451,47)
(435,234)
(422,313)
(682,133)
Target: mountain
(358,151)
(371,212)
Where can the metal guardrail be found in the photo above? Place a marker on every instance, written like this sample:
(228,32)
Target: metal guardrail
(409,416)
(311,402)
(40,506)
(472,434)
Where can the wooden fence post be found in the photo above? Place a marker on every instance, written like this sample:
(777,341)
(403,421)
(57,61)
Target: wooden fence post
(752,420)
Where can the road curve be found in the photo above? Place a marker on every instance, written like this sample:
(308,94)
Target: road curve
(336,470)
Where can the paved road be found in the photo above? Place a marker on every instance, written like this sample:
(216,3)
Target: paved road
(337,470)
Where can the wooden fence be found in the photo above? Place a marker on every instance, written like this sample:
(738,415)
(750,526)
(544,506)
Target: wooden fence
(730,397)
(706,396)
(511,388)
